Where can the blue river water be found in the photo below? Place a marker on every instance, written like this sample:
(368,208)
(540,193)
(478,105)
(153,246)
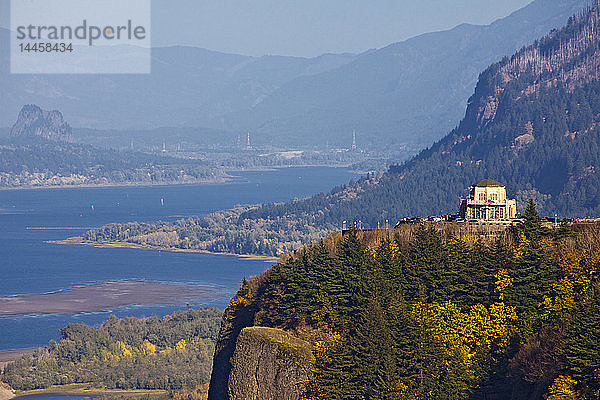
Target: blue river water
(29,218)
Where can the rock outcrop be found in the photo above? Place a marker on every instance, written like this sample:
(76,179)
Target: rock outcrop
(237,316)
(253,362)
(33,121)
(267,364)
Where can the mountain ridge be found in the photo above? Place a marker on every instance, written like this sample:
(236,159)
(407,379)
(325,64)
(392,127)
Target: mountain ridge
(275,99)
(543,146)
(375,97)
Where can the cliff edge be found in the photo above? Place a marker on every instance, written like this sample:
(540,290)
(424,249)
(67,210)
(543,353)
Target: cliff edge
(256,362)
(269,363)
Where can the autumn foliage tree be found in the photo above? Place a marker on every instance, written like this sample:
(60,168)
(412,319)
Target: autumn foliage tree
(423,313)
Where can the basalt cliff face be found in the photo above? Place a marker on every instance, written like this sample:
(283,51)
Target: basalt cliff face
(269,364)
(258,363)
(33,121)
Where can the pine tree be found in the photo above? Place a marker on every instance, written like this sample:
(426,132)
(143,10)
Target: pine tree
(353,272)
(463,268)
(533,269)
(532,224)
(582,352)
(424,271)
(373,351)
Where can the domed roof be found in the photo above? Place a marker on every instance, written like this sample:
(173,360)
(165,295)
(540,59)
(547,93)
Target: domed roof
(489,183)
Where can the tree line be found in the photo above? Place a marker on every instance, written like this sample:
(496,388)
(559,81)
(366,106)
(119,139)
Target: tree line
(171,353)
(427,314)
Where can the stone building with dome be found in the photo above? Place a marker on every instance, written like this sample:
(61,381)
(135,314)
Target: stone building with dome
(488,202)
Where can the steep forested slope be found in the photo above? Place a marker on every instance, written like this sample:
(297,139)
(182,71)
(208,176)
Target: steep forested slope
(420,85)
(432,313)
(531,124)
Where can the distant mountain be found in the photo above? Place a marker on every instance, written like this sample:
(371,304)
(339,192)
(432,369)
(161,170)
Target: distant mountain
(33,121)
(188,86)
(533,124)
(407,93)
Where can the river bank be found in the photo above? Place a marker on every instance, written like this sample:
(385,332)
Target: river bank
(214,181)
(79,241)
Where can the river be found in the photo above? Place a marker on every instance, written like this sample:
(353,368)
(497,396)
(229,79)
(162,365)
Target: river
(30,265)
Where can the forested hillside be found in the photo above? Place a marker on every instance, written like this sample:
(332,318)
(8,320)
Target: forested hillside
(429,313)
(171,353)
(31,161)
(533,124)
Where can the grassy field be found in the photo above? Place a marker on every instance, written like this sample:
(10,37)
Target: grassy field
(88,389)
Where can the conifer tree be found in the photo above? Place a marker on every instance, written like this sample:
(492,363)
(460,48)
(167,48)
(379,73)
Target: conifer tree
(534,268)
(582,350)
(468,267)
(492,259)
(353,272)
(373,351)
(532,224)
(426,263)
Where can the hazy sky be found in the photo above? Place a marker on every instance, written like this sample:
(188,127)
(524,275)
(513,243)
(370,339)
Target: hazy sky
(307,27)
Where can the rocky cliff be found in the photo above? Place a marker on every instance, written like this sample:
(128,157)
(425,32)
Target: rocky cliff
(33,121)
(257,362)
(237,316)
(269,364)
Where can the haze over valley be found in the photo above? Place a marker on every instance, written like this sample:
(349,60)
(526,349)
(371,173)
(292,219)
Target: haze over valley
(416,221)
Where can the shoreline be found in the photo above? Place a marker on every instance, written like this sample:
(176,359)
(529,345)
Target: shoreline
(226,179)
(78,241)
